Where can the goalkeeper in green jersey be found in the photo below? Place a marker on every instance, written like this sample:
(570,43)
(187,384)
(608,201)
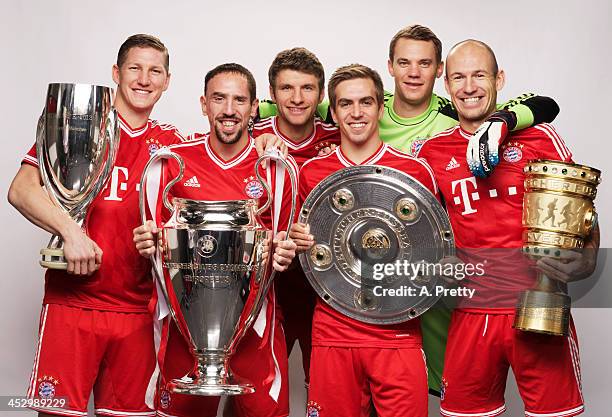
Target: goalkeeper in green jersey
(413,113)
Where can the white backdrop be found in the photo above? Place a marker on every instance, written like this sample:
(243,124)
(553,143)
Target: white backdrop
(560,49)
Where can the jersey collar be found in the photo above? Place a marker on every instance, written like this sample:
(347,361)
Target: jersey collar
(292,144)
(464,134)
(232,162)
(407,121)
(131,132)
(372,160)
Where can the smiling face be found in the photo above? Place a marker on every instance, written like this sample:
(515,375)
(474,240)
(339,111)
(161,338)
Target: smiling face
(414,68)
(356,110)
(472,82)
(228,105)
(296,94)
(141,80)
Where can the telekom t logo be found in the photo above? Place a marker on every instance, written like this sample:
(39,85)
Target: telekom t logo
(117,183)
(468,192)
(465,194)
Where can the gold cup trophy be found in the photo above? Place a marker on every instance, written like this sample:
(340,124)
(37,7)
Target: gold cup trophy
(558,214)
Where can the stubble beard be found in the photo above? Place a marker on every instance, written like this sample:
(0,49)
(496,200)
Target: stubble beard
(228,139)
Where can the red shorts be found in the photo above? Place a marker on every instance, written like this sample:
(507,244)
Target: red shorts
(297,301)
(250,362)
(80,350)
(344,381)
(481,347)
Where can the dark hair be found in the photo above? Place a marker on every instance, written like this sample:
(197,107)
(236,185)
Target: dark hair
(235,69)
(142,40)
(417,33)
(297,59)
(351,72)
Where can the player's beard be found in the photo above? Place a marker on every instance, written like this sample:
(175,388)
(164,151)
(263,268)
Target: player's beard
(228,139)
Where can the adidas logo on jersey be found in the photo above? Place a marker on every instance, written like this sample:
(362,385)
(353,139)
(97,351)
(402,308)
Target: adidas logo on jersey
(192,182)
(452,164)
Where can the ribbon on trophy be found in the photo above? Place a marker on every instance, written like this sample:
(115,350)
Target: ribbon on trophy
(260,323)
(158,305)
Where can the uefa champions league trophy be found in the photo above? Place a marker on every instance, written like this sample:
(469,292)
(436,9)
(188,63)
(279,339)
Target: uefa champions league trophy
(217,276)
(76,145)
(558,214)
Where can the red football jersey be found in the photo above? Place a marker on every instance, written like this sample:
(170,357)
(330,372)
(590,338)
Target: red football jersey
(323,135)
(208,177)
(487,212)
(331,328)
(123,282)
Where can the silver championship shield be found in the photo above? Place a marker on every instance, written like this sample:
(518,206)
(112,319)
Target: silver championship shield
(216,277)
(76,145)
(378,237)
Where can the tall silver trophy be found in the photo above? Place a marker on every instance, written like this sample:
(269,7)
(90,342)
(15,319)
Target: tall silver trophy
(217,277)
(76,145)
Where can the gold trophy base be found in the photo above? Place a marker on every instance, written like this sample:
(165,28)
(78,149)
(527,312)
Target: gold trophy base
(543,312)
(53,259)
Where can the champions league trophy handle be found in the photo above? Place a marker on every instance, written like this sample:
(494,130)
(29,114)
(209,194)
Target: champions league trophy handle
(275,155)
(163,153)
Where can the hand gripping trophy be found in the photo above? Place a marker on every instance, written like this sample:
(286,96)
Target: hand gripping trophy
(215,276)
(76,145)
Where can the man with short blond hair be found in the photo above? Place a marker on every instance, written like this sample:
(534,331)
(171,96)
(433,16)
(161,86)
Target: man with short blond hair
(356,364)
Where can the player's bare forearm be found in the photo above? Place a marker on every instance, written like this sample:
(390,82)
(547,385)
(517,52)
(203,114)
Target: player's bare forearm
(26,194)
(31,200)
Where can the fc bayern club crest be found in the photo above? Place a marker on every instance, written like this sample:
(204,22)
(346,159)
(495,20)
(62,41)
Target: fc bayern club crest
(313,409)
(415,146)
(164,399)
(253,187)
(153,145)
(512,152)
(46,387)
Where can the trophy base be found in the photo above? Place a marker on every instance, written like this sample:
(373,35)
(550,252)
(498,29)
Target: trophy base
(543,312)
(53,259)
(190,386)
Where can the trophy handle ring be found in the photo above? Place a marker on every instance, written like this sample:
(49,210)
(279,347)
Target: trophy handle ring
(163,153)
(275,155)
